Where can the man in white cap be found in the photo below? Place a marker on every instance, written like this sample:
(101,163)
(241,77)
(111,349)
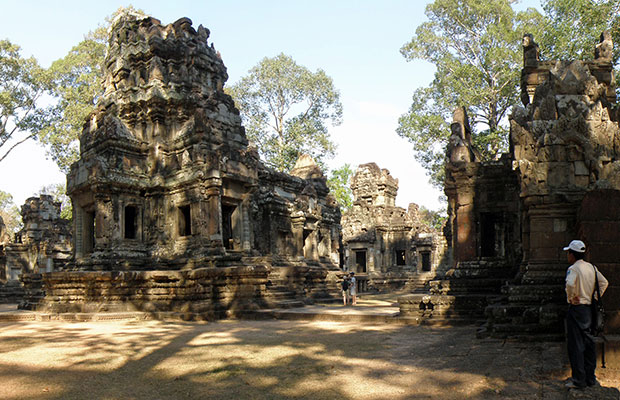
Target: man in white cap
(580,282)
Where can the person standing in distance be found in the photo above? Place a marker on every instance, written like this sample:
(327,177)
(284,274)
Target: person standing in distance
(580,285)
(353,289)
(345,289)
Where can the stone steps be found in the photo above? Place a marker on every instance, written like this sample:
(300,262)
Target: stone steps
(466,286)
(11,292)
(537,294)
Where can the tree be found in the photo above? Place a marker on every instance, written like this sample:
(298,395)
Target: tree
(22,83)
(285,108)
(572,27)
(475,47)
(339,186)
(432,219)
(9,213)
(76,87)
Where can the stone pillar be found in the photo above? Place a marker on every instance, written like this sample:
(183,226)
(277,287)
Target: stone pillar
(78,230)
(465,238)
(460,189)
(246,240)
(214,212)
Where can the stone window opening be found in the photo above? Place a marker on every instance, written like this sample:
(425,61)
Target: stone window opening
(131,222)
(426,260)
(185,220)
(400,257)
(88,232)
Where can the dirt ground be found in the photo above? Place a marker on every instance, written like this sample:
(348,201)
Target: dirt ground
(276,360)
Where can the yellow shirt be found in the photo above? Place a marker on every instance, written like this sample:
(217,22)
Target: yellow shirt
(580,283)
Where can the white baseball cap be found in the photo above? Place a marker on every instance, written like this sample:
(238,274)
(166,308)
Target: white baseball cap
(576,245)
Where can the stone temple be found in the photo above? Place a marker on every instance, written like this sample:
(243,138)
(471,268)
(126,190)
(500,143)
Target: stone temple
(43,245)
(173,210)
(385,245)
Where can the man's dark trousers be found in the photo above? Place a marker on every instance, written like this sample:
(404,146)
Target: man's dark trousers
(580,344)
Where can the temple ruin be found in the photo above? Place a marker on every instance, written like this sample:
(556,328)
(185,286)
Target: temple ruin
(387,246)
(43,245)
(172,209)
(509,219)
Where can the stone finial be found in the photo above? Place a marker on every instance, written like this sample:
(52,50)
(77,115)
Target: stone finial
(531,51)
(460,145)
(306,168)
(604,49)
(460,117)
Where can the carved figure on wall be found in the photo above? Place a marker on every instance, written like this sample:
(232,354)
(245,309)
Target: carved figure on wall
(531,51)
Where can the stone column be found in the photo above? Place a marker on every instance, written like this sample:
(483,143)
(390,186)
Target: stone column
(214,212)
(465,249)
(460,189)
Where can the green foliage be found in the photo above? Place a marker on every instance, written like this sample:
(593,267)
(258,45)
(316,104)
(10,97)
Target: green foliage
(475,47)
(59,193)
(10,213)
(432,219)
(285,107)
(339,186)
(572,28)
(76,87)
(22,83)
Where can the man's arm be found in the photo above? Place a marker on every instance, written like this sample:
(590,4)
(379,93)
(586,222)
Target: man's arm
(602,282)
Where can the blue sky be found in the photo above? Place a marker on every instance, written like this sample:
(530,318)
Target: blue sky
(355,42)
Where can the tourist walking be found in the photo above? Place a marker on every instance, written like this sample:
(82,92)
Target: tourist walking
(353,289)
(580,288)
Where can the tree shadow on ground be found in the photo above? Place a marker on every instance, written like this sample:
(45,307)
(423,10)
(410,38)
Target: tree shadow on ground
(269,360)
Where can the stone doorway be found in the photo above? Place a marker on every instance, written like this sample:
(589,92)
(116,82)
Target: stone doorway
(360,260)
(426,260)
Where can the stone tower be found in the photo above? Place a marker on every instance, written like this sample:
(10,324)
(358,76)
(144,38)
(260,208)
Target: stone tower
(165,169)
